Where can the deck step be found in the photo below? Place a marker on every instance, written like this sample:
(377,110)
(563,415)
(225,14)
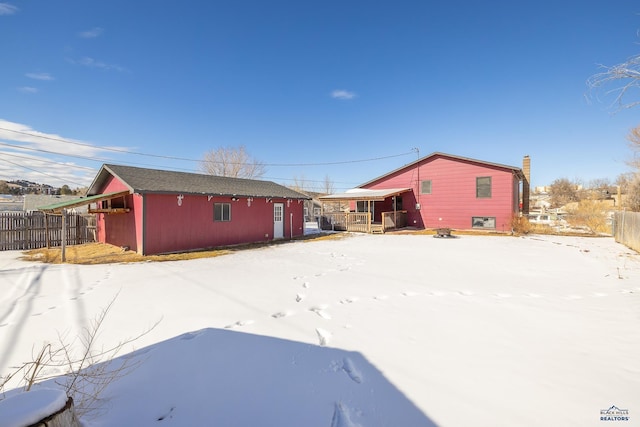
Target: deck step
(377,229)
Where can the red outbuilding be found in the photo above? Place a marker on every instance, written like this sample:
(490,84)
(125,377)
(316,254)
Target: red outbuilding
(443,191)
(156,211)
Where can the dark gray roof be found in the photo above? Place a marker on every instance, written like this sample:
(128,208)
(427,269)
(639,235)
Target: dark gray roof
(142,180)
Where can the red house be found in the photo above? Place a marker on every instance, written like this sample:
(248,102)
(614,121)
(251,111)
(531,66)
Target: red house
(156,211)
(444,191)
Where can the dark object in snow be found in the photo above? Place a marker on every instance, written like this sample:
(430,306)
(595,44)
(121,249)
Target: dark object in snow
(443,232)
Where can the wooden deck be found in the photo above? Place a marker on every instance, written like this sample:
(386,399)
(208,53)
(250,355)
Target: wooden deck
(360,222)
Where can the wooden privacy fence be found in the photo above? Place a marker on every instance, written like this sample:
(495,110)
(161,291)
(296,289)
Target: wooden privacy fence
(626,229)
(33,230)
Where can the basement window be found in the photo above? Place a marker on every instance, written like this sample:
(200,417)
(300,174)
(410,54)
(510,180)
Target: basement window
(483,187)
(222,212)
(483,222)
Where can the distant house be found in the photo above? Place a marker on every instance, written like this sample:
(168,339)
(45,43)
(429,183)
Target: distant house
(443,191)
(156,211)
(312,206)
(32,202)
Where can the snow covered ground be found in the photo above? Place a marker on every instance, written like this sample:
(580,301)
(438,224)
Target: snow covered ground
(369,330)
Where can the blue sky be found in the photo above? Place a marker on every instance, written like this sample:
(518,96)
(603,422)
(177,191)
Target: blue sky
(312,89)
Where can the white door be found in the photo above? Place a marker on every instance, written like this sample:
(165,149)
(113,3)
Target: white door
(278,220)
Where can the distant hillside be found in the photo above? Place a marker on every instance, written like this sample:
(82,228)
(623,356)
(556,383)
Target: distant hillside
(22,187)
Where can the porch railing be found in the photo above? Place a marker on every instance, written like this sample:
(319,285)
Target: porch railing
(348,221)
(361,221)
(391,220)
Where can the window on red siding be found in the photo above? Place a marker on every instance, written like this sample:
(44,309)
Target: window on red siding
(425,187)
(222,211)
(483,186)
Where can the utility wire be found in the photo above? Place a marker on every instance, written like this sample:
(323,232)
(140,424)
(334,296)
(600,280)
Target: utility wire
(100,160)
(52,162)
(41,173)
(123,151)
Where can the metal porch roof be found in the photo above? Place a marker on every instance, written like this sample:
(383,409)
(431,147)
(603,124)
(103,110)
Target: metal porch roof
(57,207)
(364,194)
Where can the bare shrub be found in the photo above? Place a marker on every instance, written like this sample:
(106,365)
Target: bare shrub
(633,194)
(520,225)
(591,214)
(87,370)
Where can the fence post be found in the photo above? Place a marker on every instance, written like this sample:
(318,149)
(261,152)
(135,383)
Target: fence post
(63,254)
(46,230)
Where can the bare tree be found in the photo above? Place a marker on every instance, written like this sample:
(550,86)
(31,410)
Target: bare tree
(563,191)
(234,162)
(599,188)
(327,185)
(633,194)
(299,183)
(634,144)
(624,77)
(623,180)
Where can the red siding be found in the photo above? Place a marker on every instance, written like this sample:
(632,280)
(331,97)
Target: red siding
(158,224)
(120,229)
(453,202)
(170,227)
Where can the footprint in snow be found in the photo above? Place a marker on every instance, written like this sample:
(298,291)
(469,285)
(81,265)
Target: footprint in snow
(350,300)
(300,297)
(409,294)
(499,295)
(323,336)
(306,285)
(342,417)
(239,323)
(350,369)
(281,314)
(137,353)
(319,310)
(465,293)
(189,335)
(381,297)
